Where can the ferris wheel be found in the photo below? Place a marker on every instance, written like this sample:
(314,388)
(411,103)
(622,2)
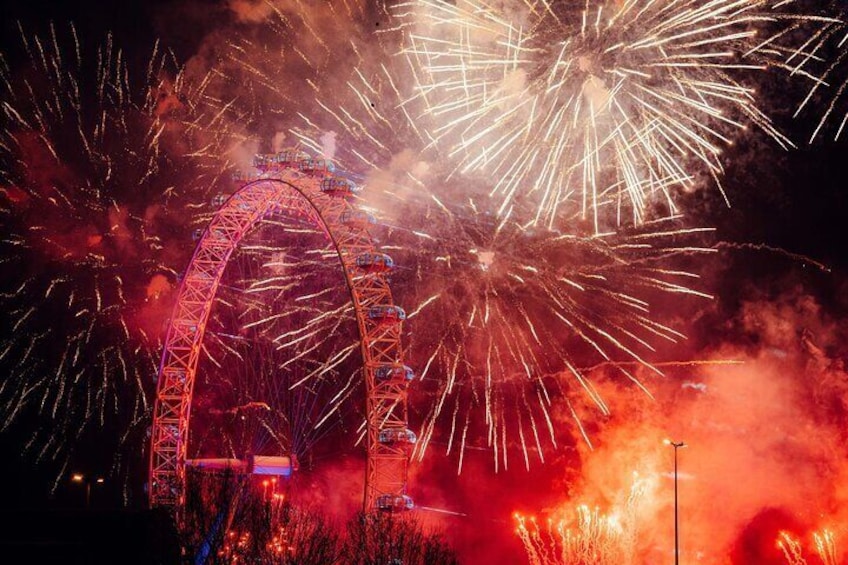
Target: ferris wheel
(308,191)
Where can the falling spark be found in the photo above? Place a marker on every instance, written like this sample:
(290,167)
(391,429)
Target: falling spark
(505,314)
(606,107)
(90,211)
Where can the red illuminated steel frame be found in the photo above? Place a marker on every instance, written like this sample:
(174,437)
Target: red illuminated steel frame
(285,191)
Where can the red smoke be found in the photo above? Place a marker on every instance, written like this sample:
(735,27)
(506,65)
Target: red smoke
(765,450)
(765,435)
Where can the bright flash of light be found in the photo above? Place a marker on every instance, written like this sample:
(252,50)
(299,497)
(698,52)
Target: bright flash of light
(610,105)
(824,543)
(587,536)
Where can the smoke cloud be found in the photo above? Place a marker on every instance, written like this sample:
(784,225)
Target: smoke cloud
(763,417)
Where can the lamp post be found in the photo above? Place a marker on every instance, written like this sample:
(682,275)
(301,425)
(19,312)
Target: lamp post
(676,445)
(83,480)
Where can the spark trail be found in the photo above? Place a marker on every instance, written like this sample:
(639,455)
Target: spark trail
(609,107)
(502,316)
(823,60)
(586,536)
(101,165)
(824,542)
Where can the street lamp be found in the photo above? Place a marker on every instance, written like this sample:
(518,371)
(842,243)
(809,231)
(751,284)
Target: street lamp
(676,445)
(79,478)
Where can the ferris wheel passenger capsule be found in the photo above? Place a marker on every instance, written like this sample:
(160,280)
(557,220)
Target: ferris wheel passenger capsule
(317,167)
(290,158)
(200,275)
(397,435)
(175,379)
(186,328)
(357,219)
(218,200)
(218,234)
(262,161)
(375,262)
(394,503)
(385,314)
(197,234)
(339,187)
(394,374)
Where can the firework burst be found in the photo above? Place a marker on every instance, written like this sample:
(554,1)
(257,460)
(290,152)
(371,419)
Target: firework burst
(587,536)
(825,547)
(822,59)
(503,317)
(503,313)
(102,167)
(606,106)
